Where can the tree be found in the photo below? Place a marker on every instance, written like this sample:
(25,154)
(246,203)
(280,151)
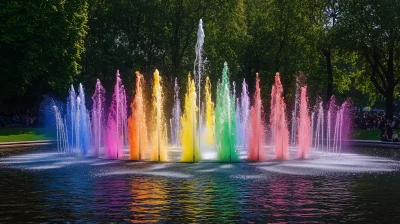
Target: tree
(331,12)
(40,45)
(280,40)
(372,29)
(226,38)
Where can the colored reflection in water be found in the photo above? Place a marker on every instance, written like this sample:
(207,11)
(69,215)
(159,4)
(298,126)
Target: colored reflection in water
(290,198)
(46,188)
(191,200)
(112,199)
(150,200)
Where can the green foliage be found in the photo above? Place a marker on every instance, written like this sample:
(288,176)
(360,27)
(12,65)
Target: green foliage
(371,29)
(347,48)
(373,134)
(25,134)
(41,43)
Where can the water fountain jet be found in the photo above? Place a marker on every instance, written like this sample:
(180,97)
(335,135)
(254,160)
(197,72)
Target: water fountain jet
(256,134)
(137,122)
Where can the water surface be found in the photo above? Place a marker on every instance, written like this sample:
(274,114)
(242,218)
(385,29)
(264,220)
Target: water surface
(41,186)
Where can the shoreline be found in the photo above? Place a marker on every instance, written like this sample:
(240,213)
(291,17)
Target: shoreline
(26,143)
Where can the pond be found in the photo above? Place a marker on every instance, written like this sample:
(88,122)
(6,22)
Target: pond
(39,185)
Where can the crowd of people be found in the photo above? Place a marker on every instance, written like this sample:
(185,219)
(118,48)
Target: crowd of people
(16,118)
(369,121)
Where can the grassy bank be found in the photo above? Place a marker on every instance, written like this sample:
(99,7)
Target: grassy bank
(24,134)
(369,134)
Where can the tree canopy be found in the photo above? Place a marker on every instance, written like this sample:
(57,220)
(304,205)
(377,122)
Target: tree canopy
(347,48)
(41,44)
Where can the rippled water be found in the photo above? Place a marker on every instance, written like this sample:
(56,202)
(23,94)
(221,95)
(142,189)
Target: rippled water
(41,186)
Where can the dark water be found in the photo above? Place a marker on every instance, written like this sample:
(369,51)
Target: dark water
(40,186)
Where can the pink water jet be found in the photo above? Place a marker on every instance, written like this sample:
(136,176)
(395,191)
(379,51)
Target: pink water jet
(303,125)
(256,134)
(117,122)
(345,125)
(279,129)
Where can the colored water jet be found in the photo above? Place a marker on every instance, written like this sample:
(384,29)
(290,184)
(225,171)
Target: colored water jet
(256,134)
(303,127)
(176,116)
(242,115)
(117,122)
(209,114)
(76,123)
(345,124)
(61,131)
(332,127)
(159,135)
(80,128)
(318,133)
(278,123)
(98,118)
(71,121)
(137,128)
(341,127)
(225,125)
(190,152)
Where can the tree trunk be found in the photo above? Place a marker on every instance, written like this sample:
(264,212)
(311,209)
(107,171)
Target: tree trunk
(390,86)
(329,87)
(389,102)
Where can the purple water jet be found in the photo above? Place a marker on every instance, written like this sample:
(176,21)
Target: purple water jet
(98,118)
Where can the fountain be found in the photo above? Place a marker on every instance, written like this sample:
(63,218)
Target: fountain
(77,123)
(83,123)
(61,132)
(208,130)
(137,123)
(294,121)
(71,114)
(159,135)
(225,127)
(332,109)
(279,129)
(198,69)
(176,116)
(341,128)
(304,126)
(98,120)
(318,134)
(256,134)
(229,129)
(242,116)
(317,130)
(116,122)
(190,151)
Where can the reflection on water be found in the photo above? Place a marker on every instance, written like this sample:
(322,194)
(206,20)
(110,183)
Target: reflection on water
(149,199)
(42,187)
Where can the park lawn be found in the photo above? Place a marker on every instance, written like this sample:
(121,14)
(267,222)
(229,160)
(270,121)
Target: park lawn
(373,134)
(24,134)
